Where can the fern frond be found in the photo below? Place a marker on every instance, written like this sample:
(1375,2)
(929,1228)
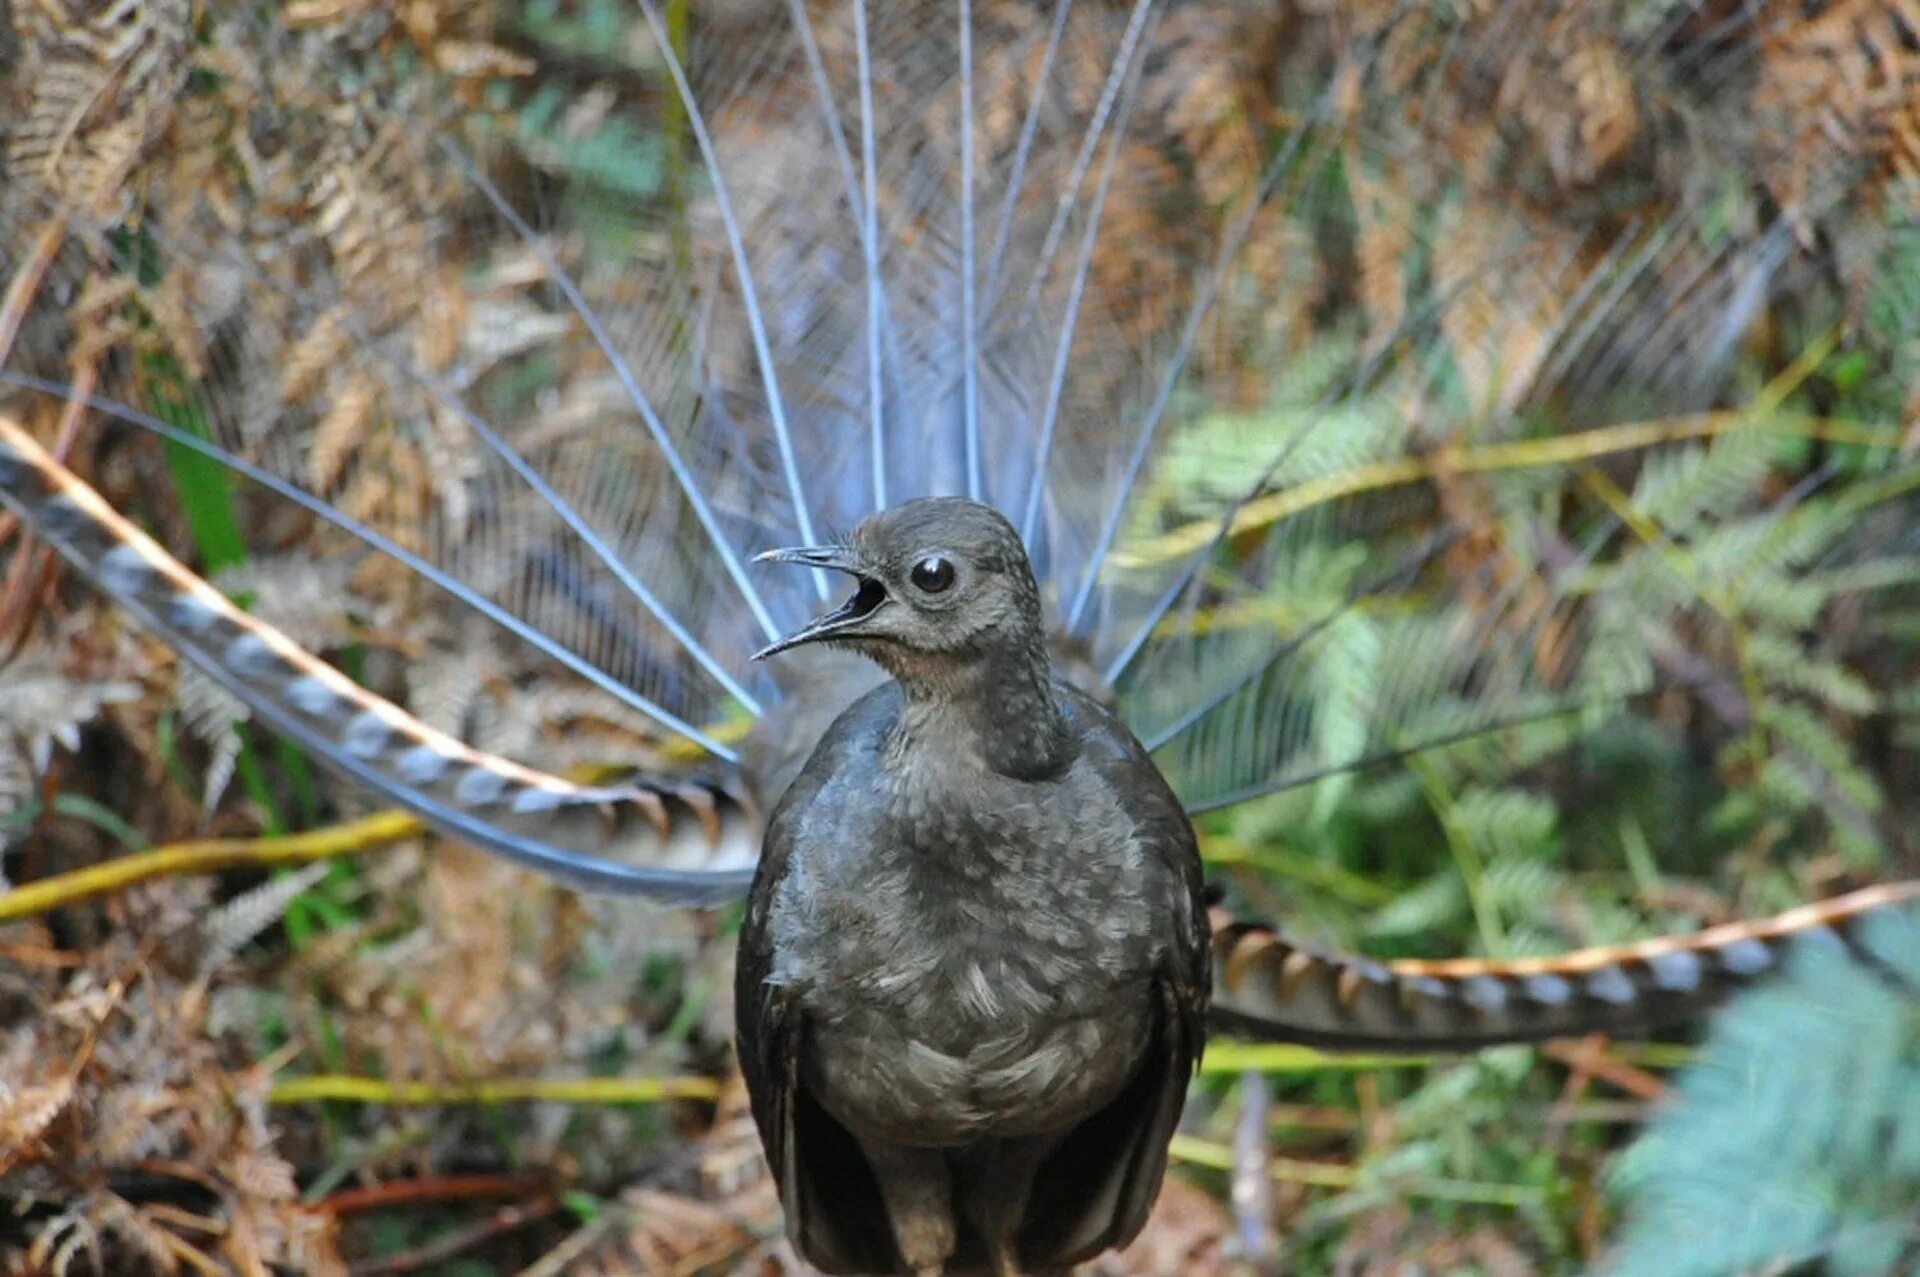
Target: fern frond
(1796,1138)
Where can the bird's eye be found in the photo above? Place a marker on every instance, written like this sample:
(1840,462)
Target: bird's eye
(932,575)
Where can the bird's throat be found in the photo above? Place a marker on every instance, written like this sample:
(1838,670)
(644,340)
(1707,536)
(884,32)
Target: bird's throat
(1003,704)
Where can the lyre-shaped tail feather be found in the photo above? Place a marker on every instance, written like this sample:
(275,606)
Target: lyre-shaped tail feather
(1266,987)
(681,841)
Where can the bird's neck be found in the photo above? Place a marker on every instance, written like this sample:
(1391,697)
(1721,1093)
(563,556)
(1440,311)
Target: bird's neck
(1001,704)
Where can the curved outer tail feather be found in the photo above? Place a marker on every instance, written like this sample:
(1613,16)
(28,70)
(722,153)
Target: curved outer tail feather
(1266,987)
(679,841)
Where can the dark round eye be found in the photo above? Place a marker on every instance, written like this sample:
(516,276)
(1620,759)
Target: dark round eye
(932,574)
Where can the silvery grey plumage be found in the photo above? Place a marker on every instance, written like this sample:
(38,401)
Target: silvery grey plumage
(973,976)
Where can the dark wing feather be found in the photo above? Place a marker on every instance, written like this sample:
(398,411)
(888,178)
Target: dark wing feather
(835,1214)
(767,1041)
(834,1211)
(1161,824)
(1097,1188)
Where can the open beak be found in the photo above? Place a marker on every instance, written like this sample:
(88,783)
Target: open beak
(843,621)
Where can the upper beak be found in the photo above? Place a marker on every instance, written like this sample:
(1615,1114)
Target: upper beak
(863,603)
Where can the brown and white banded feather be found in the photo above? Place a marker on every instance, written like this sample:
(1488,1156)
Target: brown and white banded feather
(676,839)
(1268,987)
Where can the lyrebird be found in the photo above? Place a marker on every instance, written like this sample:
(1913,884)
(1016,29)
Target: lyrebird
(1049,257)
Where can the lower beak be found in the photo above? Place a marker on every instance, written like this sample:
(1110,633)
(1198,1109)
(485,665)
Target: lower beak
(842,621)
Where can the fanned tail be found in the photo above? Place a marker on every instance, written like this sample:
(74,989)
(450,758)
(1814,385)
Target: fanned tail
(1266,987)
(1159,280)
(688,840)
(1331,446)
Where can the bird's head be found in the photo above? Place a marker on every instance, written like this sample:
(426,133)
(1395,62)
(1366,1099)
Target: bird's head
(940,583)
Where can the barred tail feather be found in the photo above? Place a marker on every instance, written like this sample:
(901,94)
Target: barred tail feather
(678,841)
(1266,987)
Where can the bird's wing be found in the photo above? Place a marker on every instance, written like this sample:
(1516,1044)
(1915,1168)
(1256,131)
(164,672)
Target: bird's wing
(1096,1190)
(1160,821)
(835,1214)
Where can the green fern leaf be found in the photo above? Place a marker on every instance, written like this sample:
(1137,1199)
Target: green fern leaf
(1796,1138)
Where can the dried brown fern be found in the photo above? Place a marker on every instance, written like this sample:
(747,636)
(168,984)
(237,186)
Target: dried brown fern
(118,1109)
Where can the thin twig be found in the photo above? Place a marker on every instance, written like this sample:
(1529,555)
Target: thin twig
(194,1257)
(1564,449)
(382,829)
(430,1188)
(569,1090)
(1588,1058)
(558,1260)
(441,1249)
(32,571)
(26,281)
(41,956)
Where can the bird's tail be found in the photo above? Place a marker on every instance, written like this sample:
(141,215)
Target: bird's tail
(1272,332)
(689,840)
(1347,410)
